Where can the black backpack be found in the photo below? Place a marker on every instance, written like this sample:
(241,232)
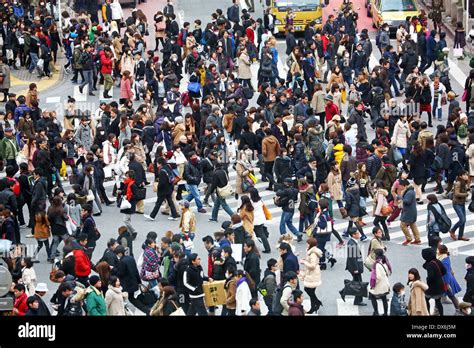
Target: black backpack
(443,221)
(277,307)
(247,92)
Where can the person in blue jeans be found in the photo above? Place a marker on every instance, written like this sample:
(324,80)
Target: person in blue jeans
(220,179)
(193,177)
(286,199)
(461,192)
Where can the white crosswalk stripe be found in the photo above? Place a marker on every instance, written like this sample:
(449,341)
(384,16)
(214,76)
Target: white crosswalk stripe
(396,234)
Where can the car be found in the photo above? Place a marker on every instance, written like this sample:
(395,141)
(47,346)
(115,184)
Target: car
(392,12)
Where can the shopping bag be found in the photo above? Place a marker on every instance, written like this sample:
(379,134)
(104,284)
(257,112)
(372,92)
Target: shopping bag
(458,52)
(63,170)
(397,155)
(253,178)
(125,204)
(355,288)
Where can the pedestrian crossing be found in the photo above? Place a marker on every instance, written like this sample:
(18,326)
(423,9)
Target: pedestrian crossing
(397,237)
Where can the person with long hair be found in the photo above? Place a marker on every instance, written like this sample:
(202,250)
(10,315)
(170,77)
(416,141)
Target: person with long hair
(418,163)
(126,87)
(365,186)
(230,287)
(128,190)
(416,302)
(449,278)
(55,41)
(380,201)
(311,275)
(261,231)
(461,192)
(379,284)
(334,182)
(125,130)
(246,212)
(104,271)
(434,279)
(57,217)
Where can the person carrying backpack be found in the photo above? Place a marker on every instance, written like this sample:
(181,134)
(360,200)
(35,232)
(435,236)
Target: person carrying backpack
(437,221)
(269,285)
(283,294)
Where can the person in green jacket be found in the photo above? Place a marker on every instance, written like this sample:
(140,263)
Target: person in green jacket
(94,298)
(9,148)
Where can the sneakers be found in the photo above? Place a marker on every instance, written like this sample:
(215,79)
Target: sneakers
(406,242)
(148,217)
(452,235)
(173,218)
(202,210)
(363,238)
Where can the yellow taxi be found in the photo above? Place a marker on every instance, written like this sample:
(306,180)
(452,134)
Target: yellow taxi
(392,12)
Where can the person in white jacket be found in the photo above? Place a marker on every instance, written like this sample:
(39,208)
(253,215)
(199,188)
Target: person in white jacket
(110,155)
(401,134)
(243,295)
(28,276)
(351,136)
(117,13)
(115,298)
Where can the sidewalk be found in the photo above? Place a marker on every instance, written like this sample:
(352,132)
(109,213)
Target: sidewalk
(21,79)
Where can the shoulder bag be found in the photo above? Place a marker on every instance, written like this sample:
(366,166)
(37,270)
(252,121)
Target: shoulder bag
(178,312)
(225,191)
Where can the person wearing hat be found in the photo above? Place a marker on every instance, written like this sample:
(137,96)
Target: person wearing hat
(40,291)
(9,148)
(354,263)
(95,300)
(286,199)
(331,108)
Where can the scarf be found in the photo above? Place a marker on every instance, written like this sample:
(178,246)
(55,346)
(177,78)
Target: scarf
(129,182)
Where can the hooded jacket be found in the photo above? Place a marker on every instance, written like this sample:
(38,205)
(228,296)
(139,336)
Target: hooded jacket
(270,148)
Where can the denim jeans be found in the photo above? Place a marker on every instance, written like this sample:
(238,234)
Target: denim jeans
(306,217)
(194,193)
(217,204)
(89,79)
(393,82)
(437,112)
(34,62)
(287,220)
(460,210)
(56,241)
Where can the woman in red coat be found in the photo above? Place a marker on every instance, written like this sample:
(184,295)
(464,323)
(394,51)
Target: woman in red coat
(331,108)
(107,66)
(20,307)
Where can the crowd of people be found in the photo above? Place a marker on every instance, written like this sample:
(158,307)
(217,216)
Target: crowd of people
(304,130)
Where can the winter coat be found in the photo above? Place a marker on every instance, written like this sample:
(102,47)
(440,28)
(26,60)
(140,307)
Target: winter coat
(417,302)
(311,275)
(117,13)
(299,155)
(127,272)
(114,299)
(95,302)
(401,134)
(230,290)
(388,174)
(83,136)
(436,272)
(5,72)
(334,182)
(252,266)
(41,228)
(295,310)
(270,148)
(242,171)
(396,306)
(470,155)
(242,298)
(382,285)
(461,192)
(354,260)
(449,278)
(469,295)
(409,211)
(282,168)
(126,89)
(244,71)
(353,202)
(29,280)
(348,166)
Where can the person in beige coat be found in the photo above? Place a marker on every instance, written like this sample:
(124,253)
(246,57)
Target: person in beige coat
(243,168)
(319,104)
(401,134)
(115,298)
(178,130)
(417,301)
(379,284)
(245,73)
(335,184)
(470,155)
(311,275)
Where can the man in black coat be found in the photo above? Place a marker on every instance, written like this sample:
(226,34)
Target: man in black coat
(248,138)
(109,255)
(469,295)
(140,180)
(193,280)
(354,263)
(193,176)
(290,261)
(127,271)
(252,262)
(207,168)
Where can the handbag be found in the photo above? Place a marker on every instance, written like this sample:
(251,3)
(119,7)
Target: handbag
(141,194)
(309,230)
(445,286)
(90,196)
(125,204)
(355,288)
(155,186)
(458,52)
(397,155)
(464,96)
(21,158)
(225,191)
(444,101)
(194,87)
(386,210)
(266,212)
(340,50)
(369,262)
(146,296)
(178,312)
